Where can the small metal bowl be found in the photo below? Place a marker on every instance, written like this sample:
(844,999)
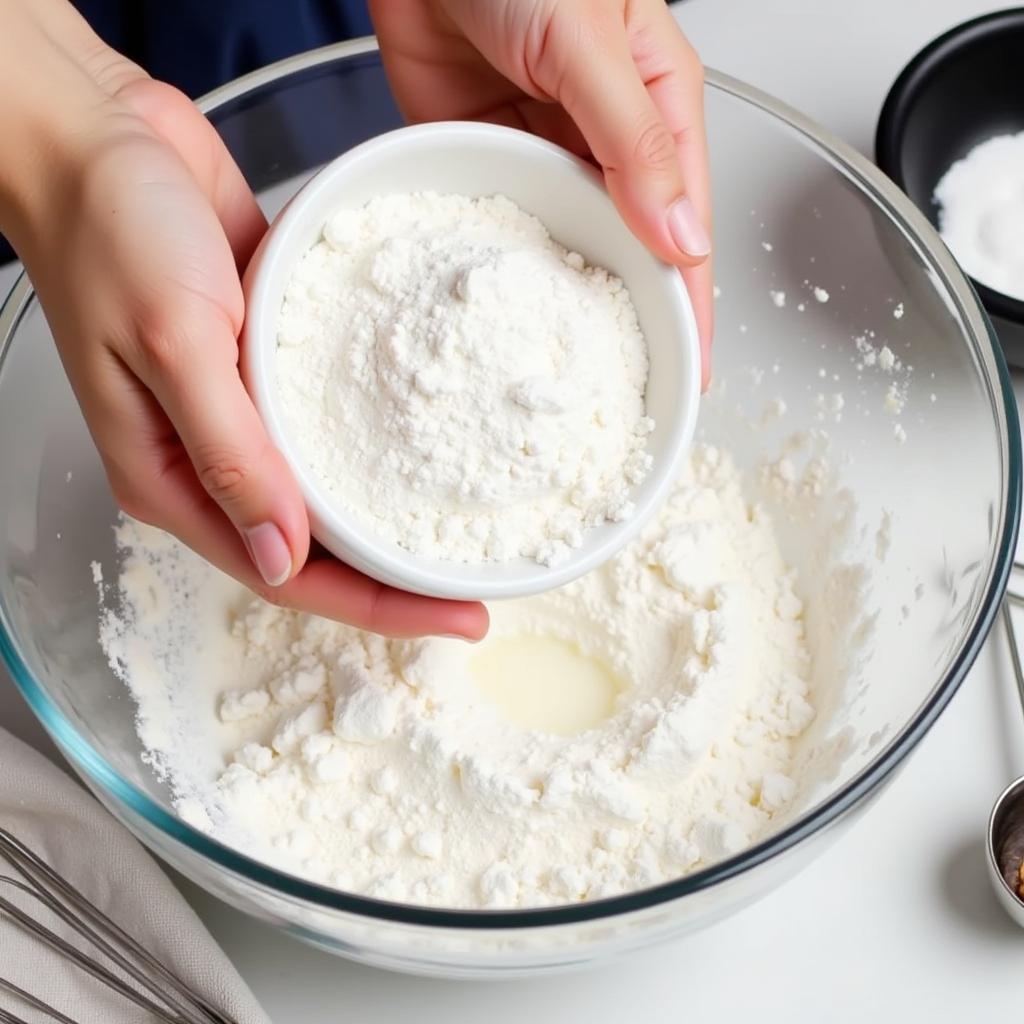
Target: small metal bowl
(960,90)
(1006,848)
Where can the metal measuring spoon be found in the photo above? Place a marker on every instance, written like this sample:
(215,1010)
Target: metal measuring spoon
(1005,845)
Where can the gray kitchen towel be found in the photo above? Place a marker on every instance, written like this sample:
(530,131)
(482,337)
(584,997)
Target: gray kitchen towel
(65,826)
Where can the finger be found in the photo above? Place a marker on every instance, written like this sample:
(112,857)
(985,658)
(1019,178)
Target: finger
(174,117)
(367,604)
(234,459)
(552,122)
(673,75)
(600,87)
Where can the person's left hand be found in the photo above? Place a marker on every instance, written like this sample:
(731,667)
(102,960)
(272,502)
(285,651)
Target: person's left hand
(611,80)
(133,222)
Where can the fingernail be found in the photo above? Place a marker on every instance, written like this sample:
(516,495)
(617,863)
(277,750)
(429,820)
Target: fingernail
(270,553)
(686,229)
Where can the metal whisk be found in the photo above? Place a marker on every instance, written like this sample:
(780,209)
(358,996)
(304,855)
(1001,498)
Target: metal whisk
(118,960)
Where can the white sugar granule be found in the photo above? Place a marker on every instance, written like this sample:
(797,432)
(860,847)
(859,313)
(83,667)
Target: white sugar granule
(462,383)
(395,777)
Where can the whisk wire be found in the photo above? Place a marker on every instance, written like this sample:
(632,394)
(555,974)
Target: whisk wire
(34,1001)
(78,958)
(6,1017)
(41,875)
(44,885)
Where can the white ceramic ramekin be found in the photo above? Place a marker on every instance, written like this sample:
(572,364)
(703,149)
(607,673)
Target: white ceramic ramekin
(569,197)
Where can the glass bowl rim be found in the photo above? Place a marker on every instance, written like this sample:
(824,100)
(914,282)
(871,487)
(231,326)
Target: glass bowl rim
(98,772)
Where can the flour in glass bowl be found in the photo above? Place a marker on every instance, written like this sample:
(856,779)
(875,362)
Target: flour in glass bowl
(460,382)
(442,773)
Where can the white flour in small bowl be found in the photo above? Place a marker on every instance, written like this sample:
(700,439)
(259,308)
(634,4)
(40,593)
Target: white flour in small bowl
(462,383)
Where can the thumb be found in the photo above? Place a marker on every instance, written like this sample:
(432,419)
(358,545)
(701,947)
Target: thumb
(234,459)
(602,90)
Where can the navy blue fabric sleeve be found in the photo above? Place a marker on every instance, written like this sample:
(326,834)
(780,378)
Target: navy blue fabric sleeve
(200,44)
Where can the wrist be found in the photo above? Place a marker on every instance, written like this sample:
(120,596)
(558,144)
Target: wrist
(50,104)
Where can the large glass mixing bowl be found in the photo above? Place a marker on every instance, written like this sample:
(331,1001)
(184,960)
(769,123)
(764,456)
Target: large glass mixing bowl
(796,209)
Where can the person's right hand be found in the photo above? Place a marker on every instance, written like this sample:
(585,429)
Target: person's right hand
(614,81)
(133,223)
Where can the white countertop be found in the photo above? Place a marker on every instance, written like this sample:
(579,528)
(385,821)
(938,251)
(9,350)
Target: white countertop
(896,921)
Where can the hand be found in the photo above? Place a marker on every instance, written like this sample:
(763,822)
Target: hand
(611,80)
(133,238)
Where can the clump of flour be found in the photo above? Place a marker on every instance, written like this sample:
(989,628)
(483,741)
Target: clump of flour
(378,766)
(461,382)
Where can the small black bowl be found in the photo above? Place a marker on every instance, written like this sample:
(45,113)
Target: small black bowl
(961,89)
